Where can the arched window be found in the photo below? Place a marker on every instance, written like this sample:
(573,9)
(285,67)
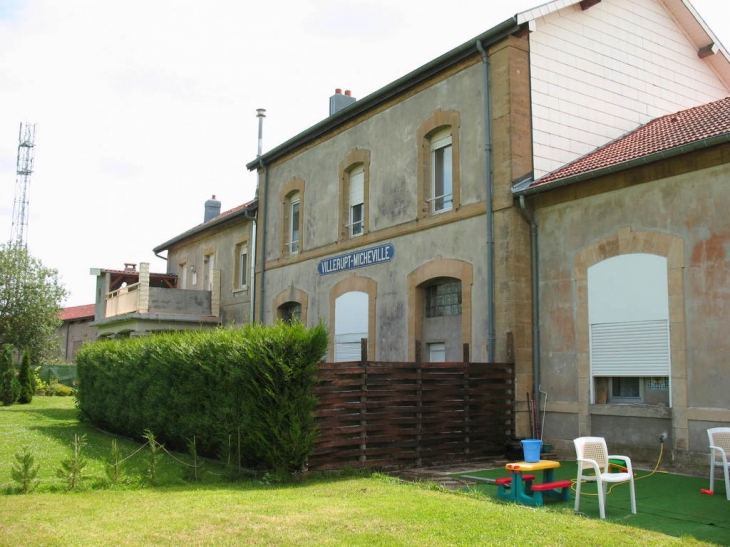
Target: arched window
(351,325)
(290,312)
(442,180)
(628,315)
(292,203)
(438,163)
(354,172)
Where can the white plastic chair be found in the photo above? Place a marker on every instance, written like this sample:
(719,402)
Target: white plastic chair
(719,452)
(592,455)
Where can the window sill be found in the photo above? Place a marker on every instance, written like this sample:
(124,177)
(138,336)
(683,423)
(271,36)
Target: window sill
(631,410)
(239,291)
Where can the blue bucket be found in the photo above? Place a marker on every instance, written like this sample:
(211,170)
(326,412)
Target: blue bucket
(531,450)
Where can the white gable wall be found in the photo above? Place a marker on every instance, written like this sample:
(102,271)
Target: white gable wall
(599,73)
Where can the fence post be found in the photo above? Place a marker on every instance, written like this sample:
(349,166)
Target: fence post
(467,417)
(419,405)
(363,398)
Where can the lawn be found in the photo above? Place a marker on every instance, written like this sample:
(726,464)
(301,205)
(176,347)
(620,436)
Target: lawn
(340,509)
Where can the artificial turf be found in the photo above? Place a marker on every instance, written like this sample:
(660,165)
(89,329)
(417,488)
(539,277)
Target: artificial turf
(667,503)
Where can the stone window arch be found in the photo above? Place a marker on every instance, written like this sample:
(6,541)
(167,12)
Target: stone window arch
(628,242)
(437,271)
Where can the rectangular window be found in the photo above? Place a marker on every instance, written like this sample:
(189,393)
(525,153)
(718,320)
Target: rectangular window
(443,299)
(182,275)
(294,227)
(437,352)
(626,389)
(356,219)
(441,173)
(357,199)
(243,268)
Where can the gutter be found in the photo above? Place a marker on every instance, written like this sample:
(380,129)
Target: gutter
(252,267)
(526,190)
(491,330)
(534,256)
(262,287)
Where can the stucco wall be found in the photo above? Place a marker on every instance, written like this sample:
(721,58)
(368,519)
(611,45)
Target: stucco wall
(390,136)
(222,242)
(682,218)
(75,334)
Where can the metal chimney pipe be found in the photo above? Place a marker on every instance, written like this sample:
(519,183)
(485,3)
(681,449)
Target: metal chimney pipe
(260,114)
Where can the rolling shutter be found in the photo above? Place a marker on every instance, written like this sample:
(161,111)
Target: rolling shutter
(357,186)
(637,348)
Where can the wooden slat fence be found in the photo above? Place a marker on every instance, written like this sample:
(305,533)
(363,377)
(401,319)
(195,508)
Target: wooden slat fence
(384,414)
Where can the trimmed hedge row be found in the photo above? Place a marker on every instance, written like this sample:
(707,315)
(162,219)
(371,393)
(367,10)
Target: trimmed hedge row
(251,386)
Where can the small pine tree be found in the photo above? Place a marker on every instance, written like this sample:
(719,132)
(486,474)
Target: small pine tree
(9,385)
(26,380)
(72,469)
(153,456)
(25,470)
(114,464)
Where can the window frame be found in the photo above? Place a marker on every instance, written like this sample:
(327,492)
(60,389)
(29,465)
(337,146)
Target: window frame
(357,201)
(294,224)
(442,167)
(435,135)
(291,196)
(625,399)
(287,311)
(628,322)
(356,163)
(434,302)
(241,279)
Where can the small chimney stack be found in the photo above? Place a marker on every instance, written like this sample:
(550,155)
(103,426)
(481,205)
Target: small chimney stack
(338,101)
(212,209)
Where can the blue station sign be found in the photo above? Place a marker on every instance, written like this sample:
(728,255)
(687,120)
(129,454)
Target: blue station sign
(357,259)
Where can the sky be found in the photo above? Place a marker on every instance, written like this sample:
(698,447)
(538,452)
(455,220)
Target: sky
(144,109)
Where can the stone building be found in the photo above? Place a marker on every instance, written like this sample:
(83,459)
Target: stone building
(403,217)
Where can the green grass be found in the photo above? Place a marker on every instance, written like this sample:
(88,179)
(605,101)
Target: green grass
(340,509)
(667,503)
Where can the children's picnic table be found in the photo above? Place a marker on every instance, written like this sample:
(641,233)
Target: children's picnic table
(530,493)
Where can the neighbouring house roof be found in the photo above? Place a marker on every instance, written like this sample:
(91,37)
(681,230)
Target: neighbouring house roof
(241,210)
(670,135)
(703,39)
(75,313)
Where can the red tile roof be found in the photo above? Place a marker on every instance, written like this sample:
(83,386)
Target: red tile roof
(659,135)
(78,312)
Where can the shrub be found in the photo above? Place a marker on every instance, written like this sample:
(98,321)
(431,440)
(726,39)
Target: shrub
(9,385)
(62,390)
(26,380)
(40,385)
(254,382)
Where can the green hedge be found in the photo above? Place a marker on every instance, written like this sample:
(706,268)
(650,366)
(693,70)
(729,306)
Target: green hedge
(254,384)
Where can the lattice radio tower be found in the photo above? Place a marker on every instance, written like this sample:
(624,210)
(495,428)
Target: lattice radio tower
(24,169)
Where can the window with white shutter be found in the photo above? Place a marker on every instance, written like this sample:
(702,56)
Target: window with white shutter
(628,314)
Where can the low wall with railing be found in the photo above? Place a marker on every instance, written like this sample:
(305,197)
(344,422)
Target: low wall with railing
(124,300)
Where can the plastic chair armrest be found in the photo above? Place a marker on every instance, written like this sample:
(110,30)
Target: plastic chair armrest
(721,451)
(592,463)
